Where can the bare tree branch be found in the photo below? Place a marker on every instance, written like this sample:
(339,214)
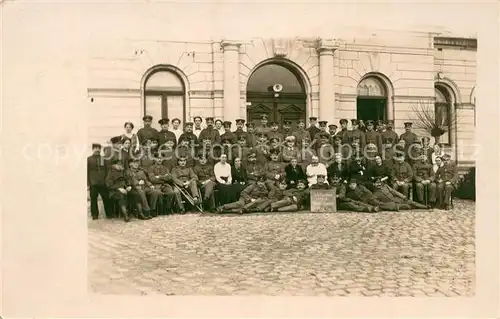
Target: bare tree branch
(424,118)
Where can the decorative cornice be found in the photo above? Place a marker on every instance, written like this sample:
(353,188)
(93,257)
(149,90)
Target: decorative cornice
(461,43)
(113,92)
(230,45)
(465,106)
(327,46)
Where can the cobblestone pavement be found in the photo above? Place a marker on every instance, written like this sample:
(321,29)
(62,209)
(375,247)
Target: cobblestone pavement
(417,253)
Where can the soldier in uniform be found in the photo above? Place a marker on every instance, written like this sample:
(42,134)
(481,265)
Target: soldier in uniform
(167,153)
(262,149)
(96,181)
(427,149)
(410,138)
(325,151)
(358,192)
(114,151)
(160,178)
(424,180)
(301,133)
(197,126)
(446,178)
(275,145)
(274,170)
(210,132)
(388,195)
(253,195)
(206,182)
(251,135)
(147,132)
(287,129)
(241,150)
(264,128)
(307,154)
(146,157)
(239,129)
(362,126)
(184,150)
(402,175)
(332,129)
(185,178)
(189,135)
(275,194)
(165,135)
(293,199)
(343,129)
(313,129)
(354,133)
(321,133)
(119,186)
(389,135)
(274,133)
(345,203)
(142,188)
(289,150)
(253,169)
(228,135)
(126,151)
(373,137)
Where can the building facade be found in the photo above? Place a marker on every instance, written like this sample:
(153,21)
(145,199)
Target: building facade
(380,76)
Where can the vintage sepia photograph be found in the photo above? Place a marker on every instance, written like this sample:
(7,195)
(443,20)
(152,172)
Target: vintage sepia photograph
(300,166)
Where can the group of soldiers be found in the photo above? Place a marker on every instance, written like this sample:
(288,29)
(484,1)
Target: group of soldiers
(370,165)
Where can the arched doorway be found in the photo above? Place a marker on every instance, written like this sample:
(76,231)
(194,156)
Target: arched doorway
(164,95)
(371,102)
(442,108)
(287,104)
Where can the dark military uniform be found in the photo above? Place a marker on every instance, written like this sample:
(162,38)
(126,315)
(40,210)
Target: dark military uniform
(186,152)
(239,133)
(164,136)
(402,172)
(140,193)
(294,174)
(444,174)
(96,181)
(348,204)
(422,172)
(189,136)
(313,130)
(254,171)
(362,194)
(250,197)
(115,180)
(179,176)
(288,153)
(210,133)
(206,183)
(160,177)
(373,137)
(271,169)
(386,194)
(147,132)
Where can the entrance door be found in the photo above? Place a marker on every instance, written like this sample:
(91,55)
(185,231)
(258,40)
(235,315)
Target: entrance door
(286,104)
(277,111)
(371,109)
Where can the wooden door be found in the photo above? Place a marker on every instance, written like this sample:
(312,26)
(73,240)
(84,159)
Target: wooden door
(277,110)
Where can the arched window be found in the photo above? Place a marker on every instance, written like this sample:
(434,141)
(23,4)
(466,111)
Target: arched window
(164,96)
(371,86)
(371,102)
(442,111)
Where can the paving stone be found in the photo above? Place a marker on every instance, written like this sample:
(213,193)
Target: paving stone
(402,254)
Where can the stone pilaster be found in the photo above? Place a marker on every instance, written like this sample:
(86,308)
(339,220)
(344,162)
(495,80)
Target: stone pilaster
(231,80)
(326,49)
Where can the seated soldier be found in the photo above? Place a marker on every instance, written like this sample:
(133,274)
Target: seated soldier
(424,181)
(357,169)
(254,170)
(167,153)
(251,196)
(386,194)
(184,178)
(402,175)
(360,193)
(118,186)
(141,189)
(275,194)
(262,149)
(344,203)
(206,182)
(274,170)
(293,199)
(275,146)
(289,150)
(185,151)
(160,177)
(293,173)
(446,178)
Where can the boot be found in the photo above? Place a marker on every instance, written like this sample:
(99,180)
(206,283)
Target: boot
(140,214)
(126,217)
(148,214)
